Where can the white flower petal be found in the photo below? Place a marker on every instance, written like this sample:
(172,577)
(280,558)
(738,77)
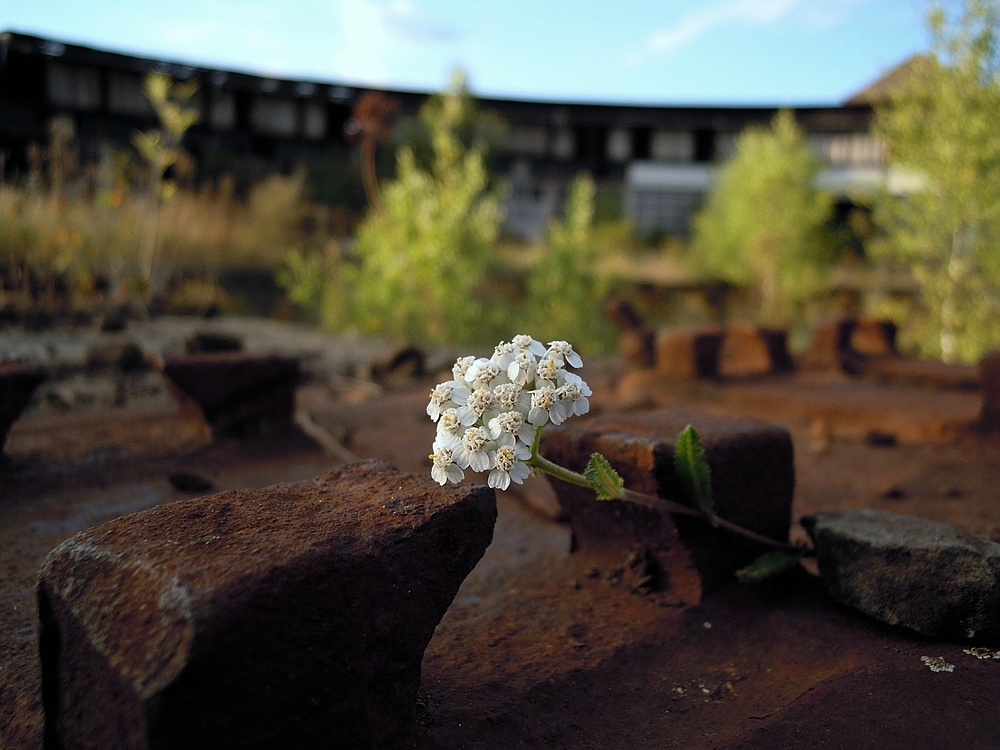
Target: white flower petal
(538,416)
(499,479)
(461,457)
(519,472)
(558,413)
(448,440)
(479,461)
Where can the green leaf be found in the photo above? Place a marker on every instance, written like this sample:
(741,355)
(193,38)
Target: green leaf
(767,565)
(692,471)
(603,479)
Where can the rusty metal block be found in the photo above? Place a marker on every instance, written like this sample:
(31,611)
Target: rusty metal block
(238,394)
(753,479)
(290,616)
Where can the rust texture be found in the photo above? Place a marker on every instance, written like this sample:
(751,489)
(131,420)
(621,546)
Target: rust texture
(989,375)
(689,353)
(237,393)
(753,478)
(18,382)
(281,617)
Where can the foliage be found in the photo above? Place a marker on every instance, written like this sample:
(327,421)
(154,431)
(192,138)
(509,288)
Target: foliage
(171,102)
(565,295)
(72,227)
(161,149)
(941,127)
(418,265)
(764,222)
(473,127)
(768,565)
(693,472)
(602,477)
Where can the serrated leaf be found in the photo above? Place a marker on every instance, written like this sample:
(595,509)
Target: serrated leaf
(767,565)
(693,472)
(602,477)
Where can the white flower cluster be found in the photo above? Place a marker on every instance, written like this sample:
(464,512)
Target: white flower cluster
(488,413)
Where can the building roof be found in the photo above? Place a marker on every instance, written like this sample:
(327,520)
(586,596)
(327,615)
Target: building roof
(882,88)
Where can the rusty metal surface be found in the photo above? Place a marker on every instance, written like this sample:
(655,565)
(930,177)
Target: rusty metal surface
(544,647)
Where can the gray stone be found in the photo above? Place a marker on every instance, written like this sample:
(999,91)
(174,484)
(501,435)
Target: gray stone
(290,616)
(908,571)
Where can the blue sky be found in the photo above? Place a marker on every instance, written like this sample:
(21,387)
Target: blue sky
(682,51)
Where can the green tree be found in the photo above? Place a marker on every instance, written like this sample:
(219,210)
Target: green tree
(161,150)
(941,127)
(764,222)
(419,260)
(565,296)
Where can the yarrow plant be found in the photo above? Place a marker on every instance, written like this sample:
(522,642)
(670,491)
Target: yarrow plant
(490,415)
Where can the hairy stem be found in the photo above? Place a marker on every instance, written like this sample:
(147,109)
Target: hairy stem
(651,501)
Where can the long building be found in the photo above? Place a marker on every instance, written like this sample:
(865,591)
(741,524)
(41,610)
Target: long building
(658,159)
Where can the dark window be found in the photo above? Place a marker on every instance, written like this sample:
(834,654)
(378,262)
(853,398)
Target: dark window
(640,143)
(704,145)
(591,143)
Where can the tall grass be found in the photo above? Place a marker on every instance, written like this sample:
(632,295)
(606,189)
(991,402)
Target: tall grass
(65,239)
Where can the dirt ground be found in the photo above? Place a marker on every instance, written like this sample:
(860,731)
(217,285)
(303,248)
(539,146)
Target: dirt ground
(540,648)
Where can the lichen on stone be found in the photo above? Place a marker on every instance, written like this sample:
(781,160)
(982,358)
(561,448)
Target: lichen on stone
(937,664)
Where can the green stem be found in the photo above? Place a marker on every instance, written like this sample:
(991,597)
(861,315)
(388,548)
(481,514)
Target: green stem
(543,464)
(651,501)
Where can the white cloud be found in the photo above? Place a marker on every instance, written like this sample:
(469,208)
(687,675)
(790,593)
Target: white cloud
(744,12)
(822,14)
(367,42)
(406,21)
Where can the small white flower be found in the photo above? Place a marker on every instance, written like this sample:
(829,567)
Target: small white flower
(490,412)
(551,371)
(510,397)
(445,394)
(445,469)
(508,461)
(510,426)
(573,394)
(473,450)
(503,355)
(526,343)
(482,374)
(448,428)
(522,367)
(461,367)
(562,350)
(546,406)
(479,402)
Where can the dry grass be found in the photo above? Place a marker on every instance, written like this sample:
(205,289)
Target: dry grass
(70,239)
